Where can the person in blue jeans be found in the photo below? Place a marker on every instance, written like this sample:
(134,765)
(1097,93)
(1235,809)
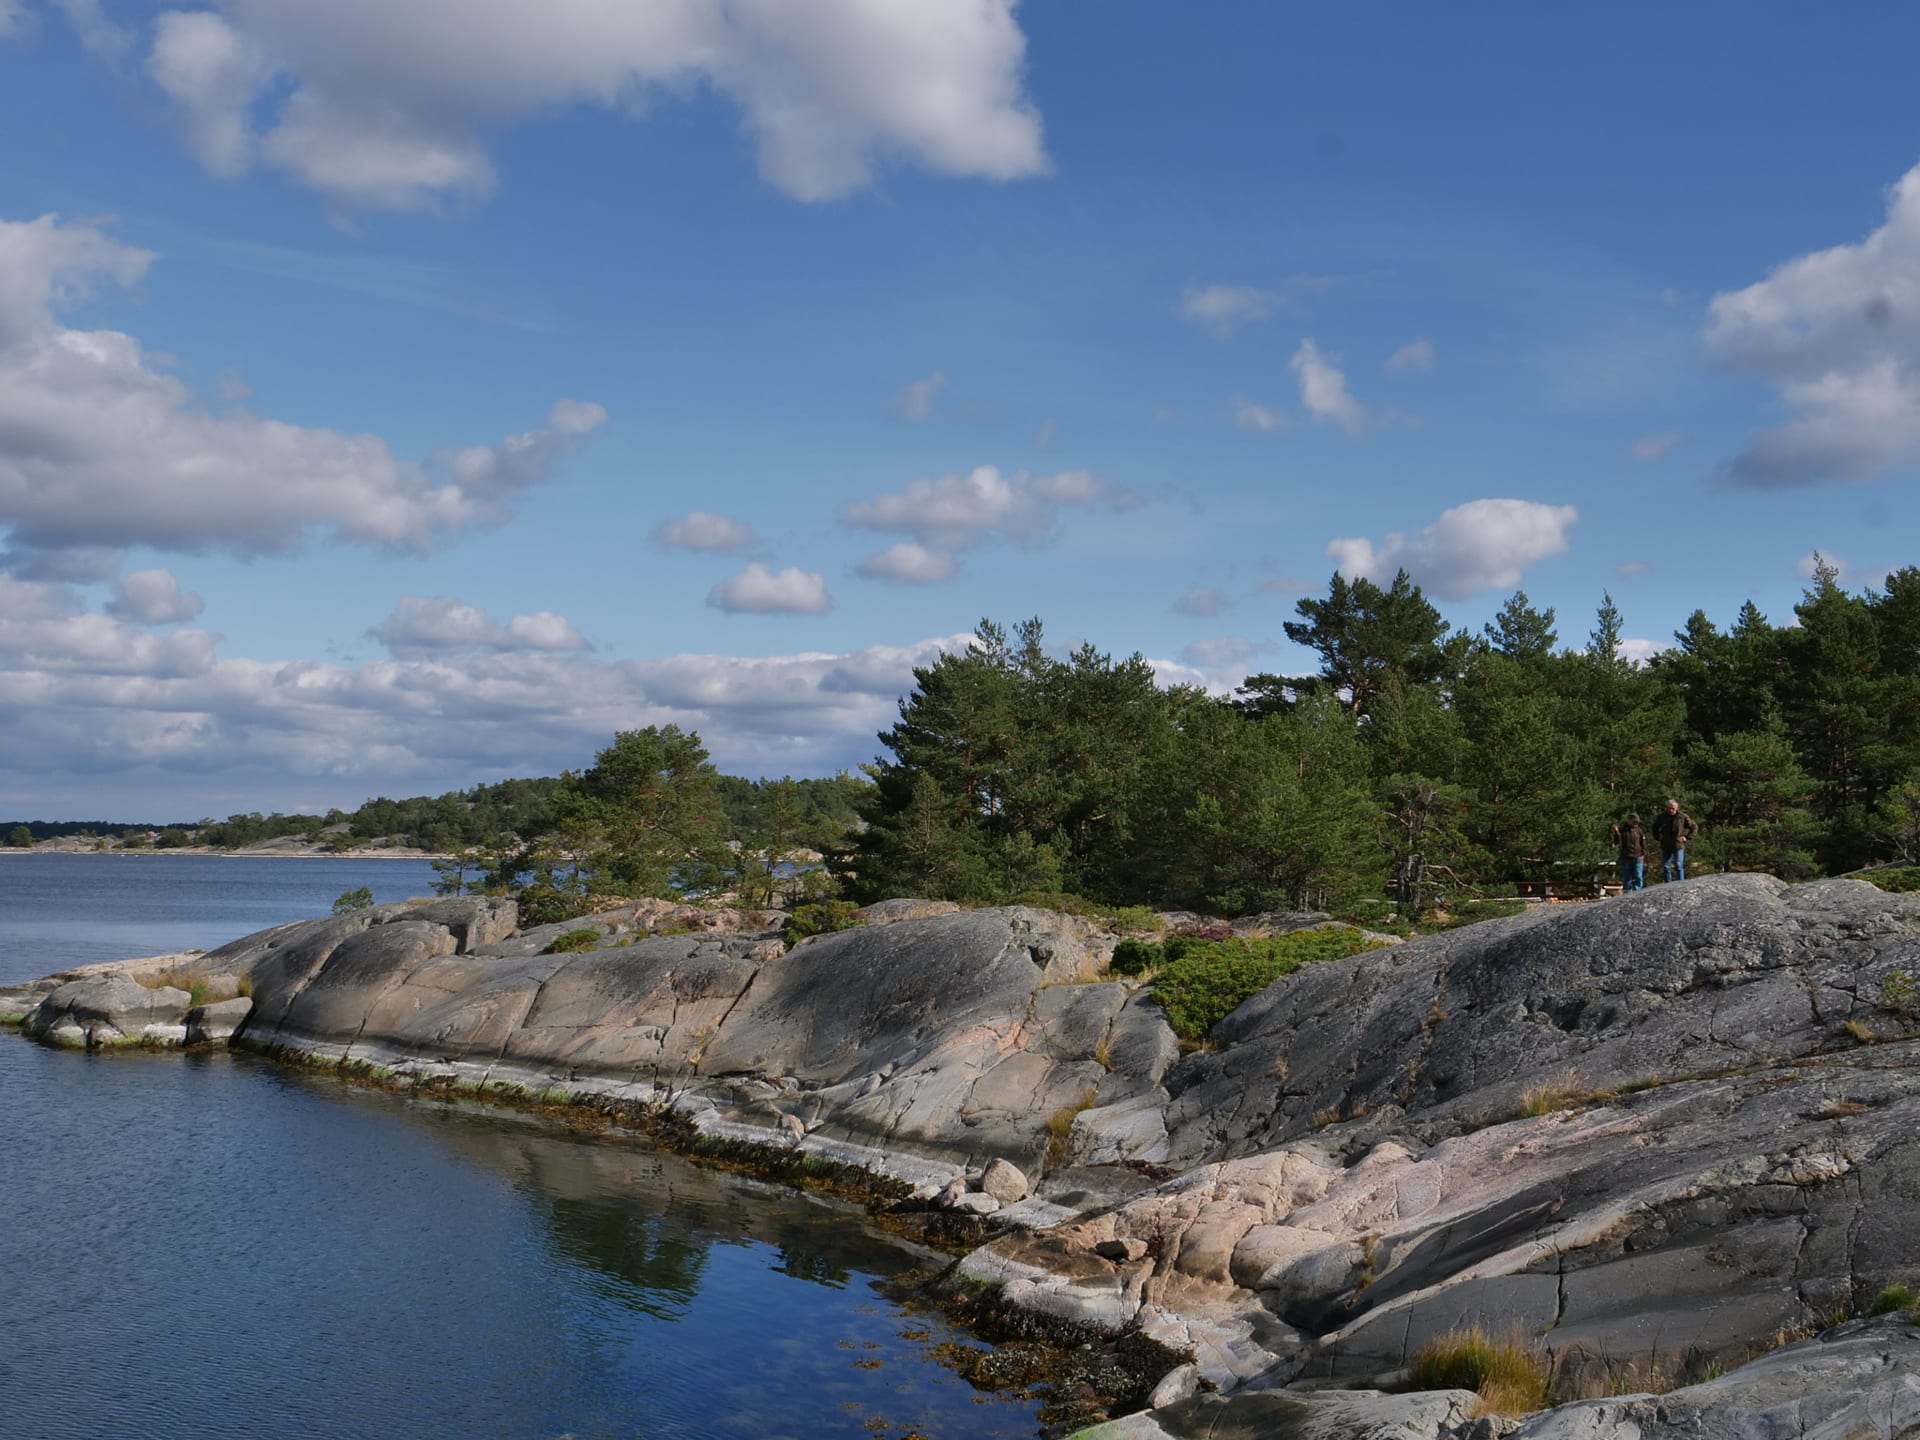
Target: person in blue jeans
(1673,827)
(1632,841)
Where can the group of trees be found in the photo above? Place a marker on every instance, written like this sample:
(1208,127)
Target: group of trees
(1415,757)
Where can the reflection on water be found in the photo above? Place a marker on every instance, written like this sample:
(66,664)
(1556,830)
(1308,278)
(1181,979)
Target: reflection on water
(215,1246)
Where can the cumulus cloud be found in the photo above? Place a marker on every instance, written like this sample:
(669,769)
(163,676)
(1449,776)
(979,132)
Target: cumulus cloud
(93,709)
(702,530)
(102,448)
(1837,333)
(1323,389)
(915,401)
(758,590)
(429,625)
(1640,652)
(1202,602)
(1632,568)
(955,512)
(1649,448)
(1416,354)
(1259,419)
(1482,545)
(374,104)
(153,597)
(1223,656)
(1225,308)
(909,563)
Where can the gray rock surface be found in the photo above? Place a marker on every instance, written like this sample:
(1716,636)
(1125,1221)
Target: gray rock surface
(1005,1181)
(110,1010)
(216,1023)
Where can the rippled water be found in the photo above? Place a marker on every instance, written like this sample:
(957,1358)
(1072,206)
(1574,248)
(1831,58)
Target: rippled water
(212,1245)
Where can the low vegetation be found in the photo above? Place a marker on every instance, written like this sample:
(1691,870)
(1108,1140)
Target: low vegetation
(569,942)
(1894,1298)
(1508,1375)
(821,918)
(348,901)
(1199,982)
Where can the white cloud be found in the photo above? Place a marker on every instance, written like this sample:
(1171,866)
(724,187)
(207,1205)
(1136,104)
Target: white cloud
(702,530)
(1837,333)
(1632,568)
(1048,432)
(1323,389)
(92,709)
(1641,651)
(758,590)
(213,73)
(1649,448)
(1223,656)
(101,447)
(1202,602)
(1482,545)
(1257,418)
(1416,354)
(1283,585)
(385,104)
(422,626)
(909,563)
(13,18)
(954,512)
(915,401)
(1224,308)
(153,597)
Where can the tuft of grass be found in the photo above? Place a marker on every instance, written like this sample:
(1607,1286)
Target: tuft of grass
(194,985)
(1894,1297)
(1202,981)
(1103,1051)
(569,942)
(1562,1092)
(243,986)
(1060,1126)
(1508,1375)
(1897,994)
(1862,1032)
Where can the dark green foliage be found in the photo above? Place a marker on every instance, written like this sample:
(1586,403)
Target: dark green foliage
(20,837)
(646,818)
(1201,982)
(1894,1298)
(569,942)
(348,901)
(1135,957)
(1902,880)
(821,919)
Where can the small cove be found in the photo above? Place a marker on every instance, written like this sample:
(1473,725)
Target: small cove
(216,1245)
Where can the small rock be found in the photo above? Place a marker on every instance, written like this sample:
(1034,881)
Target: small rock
(954,1191)
(792,1125)
(976,1202)
(1121,1251)
(1183,1383)
(1005,1181)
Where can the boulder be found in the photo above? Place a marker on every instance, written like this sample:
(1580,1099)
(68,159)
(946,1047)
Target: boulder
(889,912)
(110,1010)
(216,1023)
(1005,1181)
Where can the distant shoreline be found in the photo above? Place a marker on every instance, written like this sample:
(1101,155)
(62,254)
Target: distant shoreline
(201,852)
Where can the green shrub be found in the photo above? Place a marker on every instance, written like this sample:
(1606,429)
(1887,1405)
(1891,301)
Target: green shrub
(1897,993)
(1900,880)
(821,918)
(567,942)
(1142,918)
(352,900)
(1201,982)
(1135,957)
(1894,1297)
(550,904)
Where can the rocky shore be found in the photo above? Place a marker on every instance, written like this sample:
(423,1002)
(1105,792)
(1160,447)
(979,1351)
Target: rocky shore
(1670,1143)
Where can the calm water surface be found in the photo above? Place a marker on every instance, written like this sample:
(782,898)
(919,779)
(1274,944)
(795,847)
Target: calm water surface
(212,1245)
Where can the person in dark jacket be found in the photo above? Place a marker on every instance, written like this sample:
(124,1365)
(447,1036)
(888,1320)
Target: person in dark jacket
(1632,840)
(1673,827)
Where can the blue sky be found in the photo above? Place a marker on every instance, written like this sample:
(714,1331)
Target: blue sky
(356,362)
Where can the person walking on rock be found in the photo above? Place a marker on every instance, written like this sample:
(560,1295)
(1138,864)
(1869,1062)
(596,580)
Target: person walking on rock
(1632,840)
(1673,827)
